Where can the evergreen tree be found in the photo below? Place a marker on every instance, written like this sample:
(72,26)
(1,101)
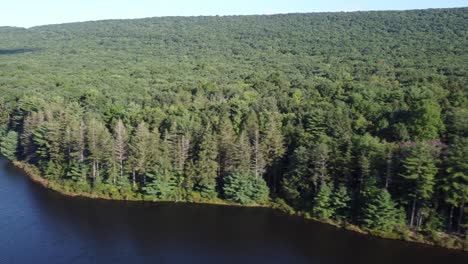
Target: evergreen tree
(30,124)
(419,170)
(243,188)
(99,145)
(76,143)
(273,147)
(455,182)
(426,120)
(319,157)
(163,184)
(120,145)
(339,202)
(380,212)
(241,154)
(9,145)
(226,143)
(322,203)
(206,166)
(296,184)
(139,151)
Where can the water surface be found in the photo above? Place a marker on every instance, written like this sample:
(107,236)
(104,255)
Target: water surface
(40,226)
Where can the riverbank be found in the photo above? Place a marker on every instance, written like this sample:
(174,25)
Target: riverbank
(430,238)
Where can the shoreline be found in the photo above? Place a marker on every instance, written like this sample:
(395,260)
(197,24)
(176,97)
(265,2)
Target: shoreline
(459,244)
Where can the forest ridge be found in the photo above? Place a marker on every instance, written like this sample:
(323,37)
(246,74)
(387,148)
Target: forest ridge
(357,118)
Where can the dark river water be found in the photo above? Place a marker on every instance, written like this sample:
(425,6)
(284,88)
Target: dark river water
(40,226)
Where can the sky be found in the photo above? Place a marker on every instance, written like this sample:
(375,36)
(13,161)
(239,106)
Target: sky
(28,13)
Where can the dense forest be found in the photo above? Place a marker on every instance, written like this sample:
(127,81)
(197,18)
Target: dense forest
(358,118)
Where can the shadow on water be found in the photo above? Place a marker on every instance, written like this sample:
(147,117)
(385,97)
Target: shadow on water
(62,229)
(18,51)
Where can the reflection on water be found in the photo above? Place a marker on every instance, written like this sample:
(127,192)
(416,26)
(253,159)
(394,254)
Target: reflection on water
(37,226)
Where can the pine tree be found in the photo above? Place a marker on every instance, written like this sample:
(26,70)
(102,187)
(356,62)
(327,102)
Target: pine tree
(316,124)
(120,145)
(76,140)
(419,171)
(140,144)
(53,170)
(226,143)
(41,142)
(273,148)
(319,157)
(30,124)
(379,212)
(455,182)
(273,141)
(241,154)
(322,203)
(9,145)
(99,144)
(243,188)
(76,171)
(179,146)
(54,137)
(340,203)
(4,113)
(257,159)
(206,165)
(296,186)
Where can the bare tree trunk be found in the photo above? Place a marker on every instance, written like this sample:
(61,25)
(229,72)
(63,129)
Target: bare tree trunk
(420,218)
(94,170)
(412,212)
(134,178)
(449,226)
(121,168)
(388,176)
(97,169)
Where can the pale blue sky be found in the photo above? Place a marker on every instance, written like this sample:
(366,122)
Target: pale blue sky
(27,13)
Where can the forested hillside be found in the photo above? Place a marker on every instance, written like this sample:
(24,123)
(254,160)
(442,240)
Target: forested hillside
(355,118)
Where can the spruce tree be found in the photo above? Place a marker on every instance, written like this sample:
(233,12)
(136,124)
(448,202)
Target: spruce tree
(296,186)
(319,157)
(379,212)
(226,143)
(9,145)
(419,170)
(455,181)
(120,145)
(206,165)
(340,203)
(243,188)
(322,203)
(139,151)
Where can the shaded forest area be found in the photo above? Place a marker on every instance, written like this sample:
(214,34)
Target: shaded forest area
(357,118)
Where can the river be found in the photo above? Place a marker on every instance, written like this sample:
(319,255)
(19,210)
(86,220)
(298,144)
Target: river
(41,226)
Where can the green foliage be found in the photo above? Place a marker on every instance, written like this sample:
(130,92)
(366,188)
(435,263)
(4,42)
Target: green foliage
(420,170)
(339,202)
(243,188)
(9,145)
(380,212)
(206,166)
(322,203)
(426,120)
(208,107)
(296,185)
(455,182)
(163,185)
(53,171)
